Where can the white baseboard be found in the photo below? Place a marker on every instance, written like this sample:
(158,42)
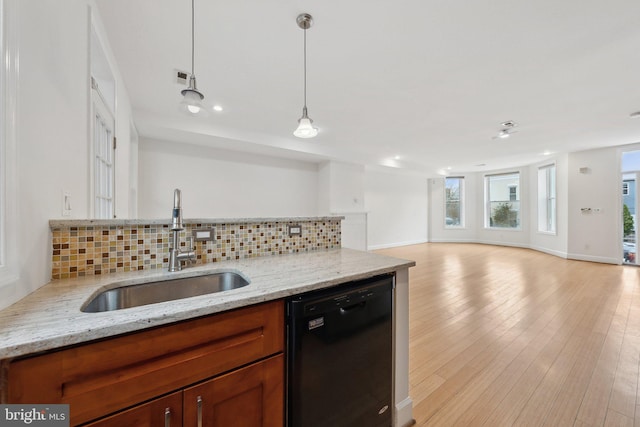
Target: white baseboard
(453,241)
(559,254)
(404,413)
(511,245)
(591,258)
(395,245)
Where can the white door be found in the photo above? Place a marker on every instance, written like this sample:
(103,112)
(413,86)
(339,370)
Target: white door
(103,158)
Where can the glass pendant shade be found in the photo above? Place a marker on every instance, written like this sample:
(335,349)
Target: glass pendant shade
(305,128)
(192,102)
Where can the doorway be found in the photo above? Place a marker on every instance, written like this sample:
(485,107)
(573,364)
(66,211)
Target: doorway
(630,179)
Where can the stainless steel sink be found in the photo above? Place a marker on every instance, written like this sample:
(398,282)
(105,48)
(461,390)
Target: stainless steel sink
(168,290)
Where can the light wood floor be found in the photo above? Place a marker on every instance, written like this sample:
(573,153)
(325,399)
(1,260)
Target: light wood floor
(505,336)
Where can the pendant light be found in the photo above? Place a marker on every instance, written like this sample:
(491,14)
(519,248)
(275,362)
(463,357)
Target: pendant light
(192,101)
(305,128)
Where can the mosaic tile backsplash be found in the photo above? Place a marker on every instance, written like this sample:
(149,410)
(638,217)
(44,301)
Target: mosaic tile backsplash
(102,249)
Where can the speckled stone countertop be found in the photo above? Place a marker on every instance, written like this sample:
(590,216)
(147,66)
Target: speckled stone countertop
(50,317)
(56,223)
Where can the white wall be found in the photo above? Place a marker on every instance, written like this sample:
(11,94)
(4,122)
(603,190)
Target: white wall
(218,183)
(595,236)
(397,209)
(51,131)
(341,192)
(342,187)
(324,188)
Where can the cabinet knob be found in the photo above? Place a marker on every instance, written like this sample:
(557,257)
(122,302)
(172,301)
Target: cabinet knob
(199,405)
(167,417)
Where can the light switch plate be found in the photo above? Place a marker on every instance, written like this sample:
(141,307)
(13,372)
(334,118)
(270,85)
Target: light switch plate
(66,203)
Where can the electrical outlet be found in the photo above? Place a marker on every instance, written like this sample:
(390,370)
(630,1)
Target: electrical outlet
(295,230)
(203,235)
(66,203)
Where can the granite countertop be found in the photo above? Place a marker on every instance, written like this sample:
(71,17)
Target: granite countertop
(50,317)
(58,223)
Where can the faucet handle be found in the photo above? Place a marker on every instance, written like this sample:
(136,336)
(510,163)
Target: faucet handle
(191,251)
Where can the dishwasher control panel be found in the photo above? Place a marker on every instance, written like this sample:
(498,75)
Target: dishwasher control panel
(344,301)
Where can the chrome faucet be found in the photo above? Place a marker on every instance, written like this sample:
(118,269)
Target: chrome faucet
(176,256)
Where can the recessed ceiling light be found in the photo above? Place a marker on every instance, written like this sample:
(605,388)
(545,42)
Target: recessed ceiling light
(635,115)
(217,108)
(396,157)
(546,153)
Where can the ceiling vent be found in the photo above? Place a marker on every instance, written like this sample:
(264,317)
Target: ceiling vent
(507,130)
(181,77)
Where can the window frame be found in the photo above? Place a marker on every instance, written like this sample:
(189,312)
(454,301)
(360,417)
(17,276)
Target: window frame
(9,271)
(487,200)
(461,186)
(548,200)
(100,108)
(625,188)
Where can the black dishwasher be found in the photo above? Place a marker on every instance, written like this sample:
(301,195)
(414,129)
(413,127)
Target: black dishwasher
(339,355)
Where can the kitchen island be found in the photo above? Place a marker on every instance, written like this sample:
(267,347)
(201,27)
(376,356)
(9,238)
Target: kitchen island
(50,318)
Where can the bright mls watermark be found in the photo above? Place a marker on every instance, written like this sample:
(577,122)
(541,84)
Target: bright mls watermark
(34,415)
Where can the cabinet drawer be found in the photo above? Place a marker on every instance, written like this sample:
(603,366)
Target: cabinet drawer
(102,377)
(165,411)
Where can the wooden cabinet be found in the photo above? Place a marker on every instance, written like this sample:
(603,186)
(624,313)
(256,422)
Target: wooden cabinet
(164,411)
(131,371)
(250,396)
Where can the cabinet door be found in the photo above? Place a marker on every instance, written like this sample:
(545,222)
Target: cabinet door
(252,396)
(103,377)
(164,411)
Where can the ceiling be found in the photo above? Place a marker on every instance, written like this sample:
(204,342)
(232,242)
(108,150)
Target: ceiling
(417,85)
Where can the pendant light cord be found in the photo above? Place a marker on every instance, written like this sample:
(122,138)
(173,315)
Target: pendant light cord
(192,38)
(305,68)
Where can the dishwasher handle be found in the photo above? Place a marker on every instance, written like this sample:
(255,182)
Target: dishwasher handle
(352,308)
